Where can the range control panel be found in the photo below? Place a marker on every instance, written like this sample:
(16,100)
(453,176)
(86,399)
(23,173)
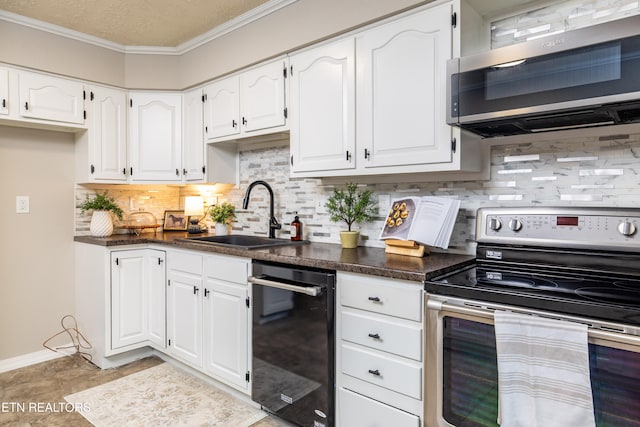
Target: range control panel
(594,228)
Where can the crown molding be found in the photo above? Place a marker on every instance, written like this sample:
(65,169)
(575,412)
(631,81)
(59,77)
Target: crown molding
(219,31)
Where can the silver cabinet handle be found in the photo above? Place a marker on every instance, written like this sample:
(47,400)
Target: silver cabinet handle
(313,291)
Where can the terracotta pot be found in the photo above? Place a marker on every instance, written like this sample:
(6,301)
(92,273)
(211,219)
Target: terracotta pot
(349,239)
(101,224)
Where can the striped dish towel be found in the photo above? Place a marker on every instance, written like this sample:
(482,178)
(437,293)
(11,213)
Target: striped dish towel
(543,372)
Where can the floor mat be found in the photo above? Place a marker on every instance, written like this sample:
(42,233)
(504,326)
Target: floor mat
(162,395)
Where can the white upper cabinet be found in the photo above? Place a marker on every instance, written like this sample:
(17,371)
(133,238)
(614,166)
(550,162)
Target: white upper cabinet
(4,91)
(51,98)
(262,97)
(247,104)
(399,101)
(401,91)
(323,108)
(107,148)
(155,137)
(193,159)
(222,108)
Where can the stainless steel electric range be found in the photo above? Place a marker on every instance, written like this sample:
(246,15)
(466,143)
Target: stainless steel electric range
(575,264)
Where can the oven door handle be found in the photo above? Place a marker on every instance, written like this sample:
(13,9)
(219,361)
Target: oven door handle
(597,330)
(313,291)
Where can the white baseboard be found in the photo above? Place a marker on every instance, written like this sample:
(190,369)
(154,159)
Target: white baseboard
(17,362)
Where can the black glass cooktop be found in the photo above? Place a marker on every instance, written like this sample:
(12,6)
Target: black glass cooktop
(603,296)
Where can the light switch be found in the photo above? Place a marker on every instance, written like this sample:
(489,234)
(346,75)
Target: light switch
(22,204)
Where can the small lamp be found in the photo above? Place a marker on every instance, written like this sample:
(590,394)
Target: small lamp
(194,210)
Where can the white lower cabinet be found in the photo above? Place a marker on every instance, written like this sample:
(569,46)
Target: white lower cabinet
(137,299)
(379,351)
(226,320)
(184,307)
(207,314)
(360,411)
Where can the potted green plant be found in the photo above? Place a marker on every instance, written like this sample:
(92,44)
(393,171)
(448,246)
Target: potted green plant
(102,206)
(351,206)
(222,214)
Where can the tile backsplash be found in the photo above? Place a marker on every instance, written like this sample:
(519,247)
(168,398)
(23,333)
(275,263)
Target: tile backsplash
(590,171)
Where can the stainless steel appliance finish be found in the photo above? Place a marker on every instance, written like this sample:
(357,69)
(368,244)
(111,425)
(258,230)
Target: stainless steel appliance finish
(293,342)
(581,78)
(575,264)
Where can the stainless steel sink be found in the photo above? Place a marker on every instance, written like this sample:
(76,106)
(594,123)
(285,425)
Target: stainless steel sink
(242,241)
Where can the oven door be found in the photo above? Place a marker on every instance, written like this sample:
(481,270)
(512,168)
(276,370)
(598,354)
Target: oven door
(461,366)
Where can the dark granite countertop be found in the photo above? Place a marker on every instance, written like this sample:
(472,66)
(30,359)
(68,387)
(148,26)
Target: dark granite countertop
(365,260)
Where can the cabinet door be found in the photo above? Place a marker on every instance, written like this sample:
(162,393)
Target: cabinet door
(107,134)
(193,164)
(184,316)
(4,91)
(401,91)
(137,298)
(157,299)
(155,136)
(262,97)
(323,108)
(226,331)
(51,98)
(222,108)
(128,305)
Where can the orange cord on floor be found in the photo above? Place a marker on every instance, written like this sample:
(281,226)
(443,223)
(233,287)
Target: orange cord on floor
(79,342)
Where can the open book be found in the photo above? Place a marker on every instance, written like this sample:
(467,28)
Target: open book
(428,220)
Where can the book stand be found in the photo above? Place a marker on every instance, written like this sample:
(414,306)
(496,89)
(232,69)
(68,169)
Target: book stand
(405,247)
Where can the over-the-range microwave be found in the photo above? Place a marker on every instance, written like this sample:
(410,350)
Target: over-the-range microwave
(581,78)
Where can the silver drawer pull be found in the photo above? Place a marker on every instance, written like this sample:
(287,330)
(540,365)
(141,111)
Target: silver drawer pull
(374,372)
(374,336)
(374,299)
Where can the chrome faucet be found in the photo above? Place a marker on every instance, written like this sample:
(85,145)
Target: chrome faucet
(273,222)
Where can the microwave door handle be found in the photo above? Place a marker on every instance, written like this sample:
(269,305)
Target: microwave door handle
(313,291)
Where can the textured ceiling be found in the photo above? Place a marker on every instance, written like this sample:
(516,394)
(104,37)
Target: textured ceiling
(162,23)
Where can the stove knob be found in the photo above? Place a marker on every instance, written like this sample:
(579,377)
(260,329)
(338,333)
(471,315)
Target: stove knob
(627,229)
(495,224)
(515,225)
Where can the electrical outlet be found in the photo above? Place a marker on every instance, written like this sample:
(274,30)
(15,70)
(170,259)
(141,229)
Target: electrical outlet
(320,207)
(22,204)
(384,202)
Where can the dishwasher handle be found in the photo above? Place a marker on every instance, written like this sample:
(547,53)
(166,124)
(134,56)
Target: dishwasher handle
(313,291)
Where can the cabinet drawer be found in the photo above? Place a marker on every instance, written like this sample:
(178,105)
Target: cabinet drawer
(392,297)
(230,269)
(383,334)
(359,411)
(186,262)
(385,371)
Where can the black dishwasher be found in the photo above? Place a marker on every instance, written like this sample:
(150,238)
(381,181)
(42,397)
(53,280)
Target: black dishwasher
(293,342)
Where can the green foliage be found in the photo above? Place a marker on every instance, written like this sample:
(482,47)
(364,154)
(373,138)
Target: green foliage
(222,212)
(101,202)
(351,205)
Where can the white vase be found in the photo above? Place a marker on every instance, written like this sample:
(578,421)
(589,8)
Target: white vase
(101,224)
(222,229)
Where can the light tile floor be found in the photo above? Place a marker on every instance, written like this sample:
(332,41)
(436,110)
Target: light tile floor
(48,383)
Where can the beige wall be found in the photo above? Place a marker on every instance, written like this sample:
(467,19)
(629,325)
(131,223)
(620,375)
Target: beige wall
(36,249)
(287,29)
(40,50)
(294,26)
